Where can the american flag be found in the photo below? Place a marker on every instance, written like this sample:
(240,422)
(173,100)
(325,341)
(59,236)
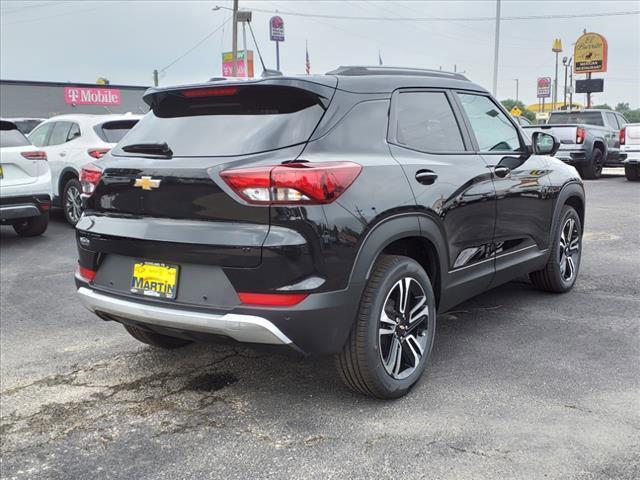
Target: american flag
(307,63)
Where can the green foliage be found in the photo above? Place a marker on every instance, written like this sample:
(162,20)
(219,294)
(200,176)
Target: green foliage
(632,115)
(510,103)
(603,106)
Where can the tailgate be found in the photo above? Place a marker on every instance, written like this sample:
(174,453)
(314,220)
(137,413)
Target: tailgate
(566,134)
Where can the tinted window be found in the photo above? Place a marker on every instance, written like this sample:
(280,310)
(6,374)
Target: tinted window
(11,136)
(493,130)
(39,135)
(588,118)
(242,120)
(60,133)
(74,132)
(112,132)
(426,122)
(612,120)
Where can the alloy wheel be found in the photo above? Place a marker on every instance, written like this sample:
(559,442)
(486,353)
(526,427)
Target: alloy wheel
(569,254)
(73,204)
(402,330)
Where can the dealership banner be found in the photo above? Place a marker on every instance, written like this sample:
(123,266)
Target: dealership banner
(91,96)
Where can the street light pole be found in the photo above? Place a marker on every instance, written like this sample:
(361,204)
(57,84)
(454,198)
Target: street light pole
(564,64)
(496,49)
(517,87)
(234,41)
(557,48)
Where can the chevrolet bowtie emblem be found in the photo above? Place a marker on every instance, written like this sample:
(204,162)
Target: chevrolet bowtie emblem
(147,183)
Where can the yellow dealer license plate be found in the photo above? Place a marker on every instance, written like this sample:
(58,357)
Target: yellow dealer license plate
(155,279)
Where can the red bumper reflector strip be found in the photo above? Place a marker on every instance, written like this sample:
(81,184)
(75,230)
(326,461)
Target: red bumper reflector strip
(87,273)
(272,299)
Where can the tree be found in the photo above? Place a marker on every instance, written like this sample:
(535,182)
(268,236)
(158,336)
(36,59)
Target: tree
(509,103)
(603,106)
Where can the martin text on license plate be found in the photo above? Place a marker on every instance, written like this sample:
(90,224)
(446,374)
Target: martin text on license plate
(155,279)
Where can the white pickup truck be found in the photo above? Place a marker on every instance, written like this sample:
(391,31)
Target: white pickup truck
(630,145)
(589,139)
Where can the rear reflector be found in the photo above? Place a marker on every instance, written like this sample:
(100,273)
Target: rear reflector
(86,273)
(272,299)
(580,135)
(35,155)
(97,153)
(210,92)
(292,183)
(89,178)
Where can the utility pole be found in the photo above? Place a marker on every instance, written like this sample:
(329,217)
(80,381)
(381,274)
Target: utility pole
(244,17)
(570,85)
(234,40)
(496,49)
(565,63)
(155,78)
(517,88)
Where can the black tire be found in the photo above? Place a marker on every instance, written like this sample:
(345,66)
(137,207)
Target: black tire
(632,172)
(360,364)
(593,170)
(32,227)
(155,339)
(72,210)
(553,278)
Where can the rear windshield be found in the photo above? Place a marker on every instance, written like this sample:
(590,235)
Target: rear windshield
(588,118)
(226,121)
(112,132)
(25,126)
(11,137)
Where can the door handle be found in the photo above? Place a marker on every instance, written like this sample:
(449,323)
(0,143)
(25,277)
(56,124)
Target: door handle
(426,177)
(63,154)
(502,172)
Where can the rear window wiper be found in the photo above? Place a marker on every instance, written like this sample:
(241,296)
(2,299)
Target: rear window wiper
(161,149)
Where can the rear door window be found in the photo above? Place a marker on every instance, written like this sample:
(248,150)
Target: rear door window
(227,121)
(612,120)
(112,132)
(74,132)
(425,121)
(40,134)
(493,130)
(60,133)
(10,136)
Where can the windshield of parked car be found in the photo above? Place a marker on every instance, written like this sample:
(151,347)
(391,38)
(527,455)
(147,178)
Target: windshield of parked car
(226,121)
(588,118)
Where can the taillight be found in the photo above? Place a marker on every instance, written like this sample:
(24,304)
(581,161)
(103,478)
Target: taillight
(35,155)
(293,183)
(97,153)
(623,136)
(580,134)
(86,273)
(89,178)
(210,92)
(272,299)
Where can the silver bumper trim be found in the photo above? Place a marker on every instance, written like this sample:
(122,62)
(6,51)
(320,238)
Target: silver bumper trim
(243,328)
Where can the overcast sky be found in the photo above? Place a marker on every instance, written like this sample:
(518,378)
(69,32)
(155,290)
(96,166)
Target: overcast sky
(124,41)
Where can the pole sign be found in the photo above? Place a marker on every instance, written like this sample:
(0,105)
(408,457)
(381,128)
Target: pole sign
(227,63)
(276,29)
(544,87)
(590,54)
(91,96)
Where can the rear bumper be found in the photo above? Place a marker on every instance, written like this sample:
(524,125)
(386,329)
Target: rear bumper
(16,208)
(572,157)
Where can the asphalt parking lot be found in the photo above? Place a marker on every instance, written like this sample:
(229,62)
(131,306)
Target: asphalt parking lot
(522,384)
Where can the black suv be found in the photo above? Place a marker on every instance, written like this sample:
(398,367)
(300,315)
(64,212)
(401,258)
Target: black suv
(333,214)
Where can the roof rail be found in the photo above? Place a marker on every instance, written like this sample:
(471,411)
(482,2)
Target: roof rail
(353,70)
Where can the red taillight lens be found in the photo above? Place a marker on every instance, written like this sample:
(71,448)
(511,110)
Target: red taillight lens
(623,136)
(272,299)
(37,155)
(89,178)
(293,183)
(97,153)
(580,134)
(86,273)
(210,92)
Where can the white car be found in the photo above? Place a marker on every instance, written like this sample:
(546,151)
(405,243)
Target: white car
(25,183)
(630,144)
(72,141)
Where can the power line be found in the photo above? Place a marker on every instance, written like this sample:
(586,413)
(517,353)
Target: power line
(196,45)
(445,19)
(106,4)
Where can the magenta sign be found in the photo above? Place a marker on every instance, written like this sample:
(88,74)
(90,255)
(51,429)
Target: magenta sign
(91,96)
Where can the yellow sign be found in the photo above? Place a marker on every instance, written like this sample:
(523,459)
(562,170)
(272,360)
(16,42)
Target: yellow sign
(557,45)
(590,54)
(515,111)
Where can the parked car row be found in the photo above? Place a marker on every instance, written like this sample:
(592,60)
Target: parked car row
(43,168)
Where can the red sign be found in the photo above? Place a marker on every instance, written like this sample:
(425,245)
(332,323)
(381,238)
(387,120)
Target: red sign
(91,96)
(544,87)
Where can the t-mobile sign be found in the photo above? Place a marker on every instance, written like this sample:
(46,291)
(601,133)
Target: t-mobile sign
(91,96)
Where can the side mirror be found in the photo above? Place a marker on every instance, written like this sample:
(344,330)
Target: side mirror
(544,143)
